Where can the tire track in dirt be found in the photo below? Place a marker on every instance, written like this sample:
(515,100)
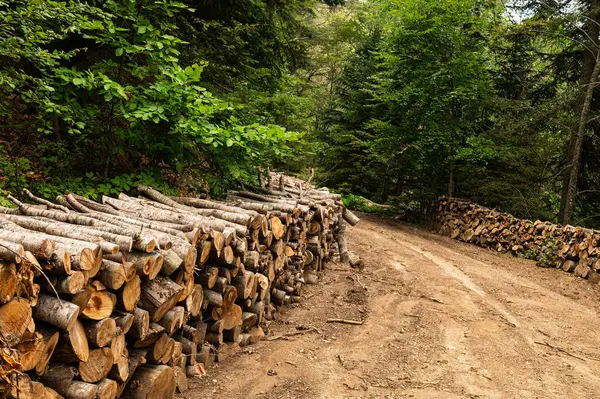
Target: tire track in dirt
(546,316)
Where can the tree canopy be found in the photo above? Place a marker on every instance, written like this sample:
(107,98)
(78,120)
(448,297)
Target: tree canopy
(398,101)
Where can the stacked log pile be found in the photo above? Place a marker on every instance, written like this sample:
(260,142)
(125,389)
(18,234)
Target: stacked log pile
(572,249)
(129,296)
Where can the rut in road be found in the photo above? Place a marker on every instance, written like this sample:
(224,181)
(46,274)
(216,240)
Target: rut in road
(443,319)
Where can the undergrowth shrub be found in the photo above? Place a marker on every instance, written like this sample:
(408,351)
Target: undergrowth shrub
(358,203)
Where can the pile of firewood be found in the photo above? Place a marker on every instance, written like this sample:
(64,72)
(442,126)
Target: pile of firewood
(574,249)
(130,296)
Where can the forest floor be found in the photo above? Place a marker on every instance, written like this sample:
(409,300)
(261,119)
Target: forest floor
(442,319)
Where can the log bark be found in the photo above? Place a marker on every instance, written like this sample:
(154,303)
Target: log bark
(93,220)
(233,334)
(355,261)
(42,201)
(59,313)
(181,381)
(11,251)
(213,298)
(215,339)
(40,246)
(208,278)
(350,217)
(249,320)
(189,348)
(227,215)
(155,214)
(74,232)
(341,239)
(141,324)
(159,296)
(155,331)
(206,355)
(81,390)
(171,262)
(59,377)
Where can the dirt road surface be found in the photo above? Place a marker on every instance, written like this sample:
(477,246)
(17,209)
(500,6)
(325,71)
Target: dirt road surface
(442,319)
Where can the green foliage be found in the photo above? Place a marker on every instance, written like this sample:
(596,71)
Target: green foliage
(531,254)
(457,97)
(411,101)
(396,101)
(99,92)
(94,186)
(358,203)
(548,256)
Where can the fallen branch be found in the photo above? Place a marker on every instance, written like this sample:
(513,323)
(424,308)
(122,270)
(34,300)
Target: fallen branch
(292,334)
(344,321)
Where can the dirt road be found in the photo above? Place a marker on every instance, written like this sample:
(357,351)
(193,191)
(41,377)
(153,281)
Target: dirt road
(442,319)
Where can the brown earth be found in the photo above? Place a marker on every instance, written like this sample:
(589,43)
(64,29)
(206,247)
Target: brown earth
(442,319)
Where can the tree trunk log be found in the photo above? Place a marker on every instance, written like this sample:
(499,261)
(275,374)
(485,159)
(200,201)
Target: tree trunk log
(141,324)
(50,338)
(97,366)
(130,294)
(59,313)
(72,345)
(107,389)
(159,296)
(101,333)
(152,382)
(30,348)
(59,377)
(81,390)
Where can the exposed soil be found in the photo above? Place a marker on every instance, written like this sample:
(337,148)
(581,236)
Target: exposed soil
(442,319)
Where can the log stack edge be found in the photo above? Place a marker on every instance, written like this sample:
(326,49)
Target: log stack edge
(572,249)
(131,296)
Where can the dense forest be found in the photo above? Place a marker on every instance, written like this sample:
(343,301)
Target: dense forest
(398,101)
